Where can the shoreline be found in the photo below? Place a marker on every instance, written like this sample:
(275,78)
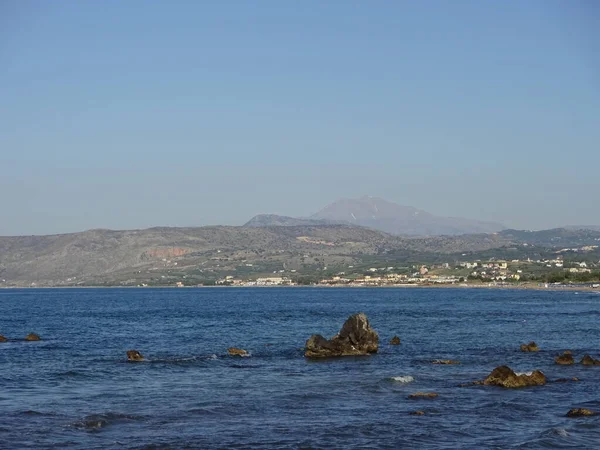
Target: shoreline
(524,287)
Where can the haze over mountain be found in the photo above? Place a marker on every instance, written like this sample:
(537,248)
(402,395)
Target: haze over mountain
(382,215)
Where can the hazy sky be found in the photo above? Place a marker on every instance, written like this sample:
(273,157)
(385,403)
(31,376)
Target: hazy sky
(133,114)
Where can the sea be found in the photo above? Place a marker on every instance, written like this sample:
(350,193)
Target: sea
(76,389)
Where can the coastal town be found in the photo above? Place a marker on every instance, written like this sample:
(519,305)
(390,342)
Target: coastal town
(546,272)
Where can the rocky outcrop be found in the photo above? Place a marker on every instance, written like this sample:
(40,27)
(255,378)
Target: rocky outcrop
(237,352)
(531,347)
(565,359)
(423,395)
(505,377)
(587,360)
(33,337)
(395,341)
(355,338)
(445,361)
(3,339)
(134,355)
(581,412)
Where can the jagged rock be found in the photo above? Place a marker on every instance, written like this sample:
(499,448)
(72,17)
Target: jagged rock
(566,380)
(444,361)
(237,352)
(505,377)
(33,337)
(581,412)
(531,347)
(587,360)
(425,395)
(355,338)
(417,413)
(3,339)
(565,359)
(134,355)
(395,341)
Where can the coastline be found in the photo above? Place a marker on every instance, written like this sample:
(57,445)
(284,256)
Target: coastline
(522,286)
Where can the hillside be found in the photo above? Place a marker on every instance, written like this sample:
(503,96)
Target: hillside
(160,256)
(106,256)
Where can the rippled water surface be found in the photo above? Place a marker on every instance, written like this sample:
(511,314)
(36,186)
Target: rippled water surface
(74,389)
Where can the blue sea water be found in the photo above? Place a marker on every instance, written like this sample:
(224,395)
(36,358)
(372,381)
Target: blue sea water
(75,389)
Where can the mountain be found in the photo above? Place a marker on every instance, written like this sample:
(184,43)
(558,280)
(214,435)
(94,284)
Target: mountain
(273,220)
(379,214)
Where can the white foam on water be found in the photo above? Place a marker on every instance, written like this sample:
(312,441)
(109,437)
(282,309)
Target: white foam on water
(404,379)
(524,373)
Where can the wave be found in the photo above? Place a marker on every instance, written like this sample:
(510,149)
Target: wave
(402,379)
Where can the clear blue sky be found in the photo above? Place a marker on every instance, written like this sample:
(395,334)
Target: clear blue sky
(133,114)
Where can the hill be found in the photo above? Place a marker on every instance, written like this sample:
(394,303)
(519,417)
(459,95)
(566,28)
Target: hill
(163,256)
(99,257)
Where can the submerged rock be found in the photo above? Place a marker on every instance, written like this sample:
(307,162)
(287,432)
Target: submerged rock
(565,359)
(417,413)
(33,337)
(355,338)
(425,395)
(472,383)
(587,360)
(531,347)
(505,377)
(444,361)
(237,351)
(581,412)
(134,355)
(3,339)
(395,341)
(566,380)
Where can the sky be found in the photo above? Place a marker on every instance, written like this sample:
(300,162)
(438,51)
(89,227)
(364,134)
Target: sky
(185,113)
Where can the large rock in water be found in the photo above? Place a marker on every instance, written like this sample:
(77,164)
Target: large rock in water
(505,377)
(3,339)
(355,338)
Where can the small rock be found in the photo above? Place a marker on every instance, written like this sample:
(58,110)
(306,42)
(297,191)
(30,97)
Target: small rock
(444,361)
(565,359)
(505,377)
(33,337)
(417,413)
(395,341)
(3,339)
(581,412)
(356,338)
(427,395)
(134,355)
(531,347)
(566,380)
(237,351)
(587,360)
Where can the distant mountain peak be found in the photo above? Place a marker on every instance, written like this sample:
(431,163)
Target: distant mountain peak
(380,214)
